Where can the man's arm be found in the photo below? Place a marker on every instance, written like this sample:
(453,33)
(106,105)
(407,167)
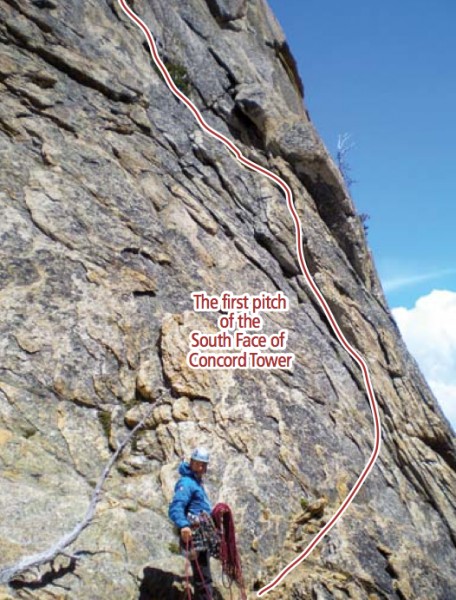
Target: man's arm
(178,507)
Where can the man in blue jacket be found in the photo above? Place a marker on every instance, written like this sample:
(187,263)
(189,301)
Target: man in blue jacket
(190,504)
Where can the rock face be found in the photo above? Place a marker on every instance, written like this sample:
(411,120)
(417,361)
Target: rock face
(115,208)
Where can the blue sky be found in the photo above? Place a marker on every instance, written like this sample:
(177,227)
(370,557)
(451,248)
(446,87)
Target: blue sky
(385,72)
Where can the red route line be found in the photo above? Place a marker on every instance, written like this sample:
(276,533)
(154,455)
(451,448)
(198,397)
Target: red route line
(321,300)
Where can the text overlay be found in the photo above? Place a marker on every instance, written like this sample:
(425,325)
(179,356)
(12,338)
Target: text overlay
(238,343)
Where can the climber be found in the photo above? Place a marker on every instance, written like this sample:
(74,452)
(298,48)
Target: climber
(190,511)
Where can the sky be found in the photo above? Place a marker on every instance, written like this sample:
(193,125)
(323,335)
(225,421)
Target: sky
(385,73)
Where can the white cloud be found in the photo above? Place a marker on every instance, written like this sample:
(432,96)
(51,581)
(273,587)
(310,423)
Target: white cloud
(446,395)
(429,330)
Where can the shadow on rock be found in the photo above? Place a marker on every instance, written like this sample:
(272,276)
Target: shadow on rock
(164,585)
(158,584)
(47,578)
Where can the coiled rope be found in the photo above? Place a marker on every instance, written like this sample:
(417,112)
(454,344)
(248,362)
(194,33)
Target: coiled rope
(229,555)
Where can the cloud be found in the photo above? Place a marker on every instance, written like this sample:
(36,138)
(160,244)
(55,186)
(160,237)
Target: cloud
(395,283)
(429,330)
(446,395)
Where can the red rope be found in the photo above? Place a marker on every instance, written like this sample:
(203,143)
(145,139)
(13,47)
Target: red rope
(208,594)
(187,575)
(229,555)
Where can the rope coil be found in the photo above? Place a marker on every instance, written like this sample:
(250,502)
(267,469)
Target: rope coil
(229,555)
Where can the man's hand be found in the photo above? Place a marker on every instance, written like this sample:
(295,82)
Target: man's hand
(186,534)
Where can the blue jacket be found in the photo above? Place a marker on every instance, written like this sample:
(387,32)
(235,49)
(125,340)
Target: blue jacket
(189,497)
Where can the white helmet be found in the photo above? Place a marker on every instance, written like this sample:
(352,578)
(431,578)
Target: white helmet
(200,454)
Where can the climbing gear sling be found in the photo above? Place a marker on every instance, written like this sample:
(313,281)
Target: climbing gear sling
(205,535)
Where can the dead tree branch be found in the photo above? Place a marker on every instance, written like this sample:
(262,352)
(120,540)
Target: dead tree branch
(36,560)
(344,145)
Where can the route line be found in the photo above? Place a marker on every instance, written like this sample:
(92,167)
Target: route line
(320,299)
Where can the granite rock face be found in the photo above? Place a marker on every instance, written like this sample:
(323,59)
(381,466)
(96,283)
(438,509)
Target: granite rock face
(115,208)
